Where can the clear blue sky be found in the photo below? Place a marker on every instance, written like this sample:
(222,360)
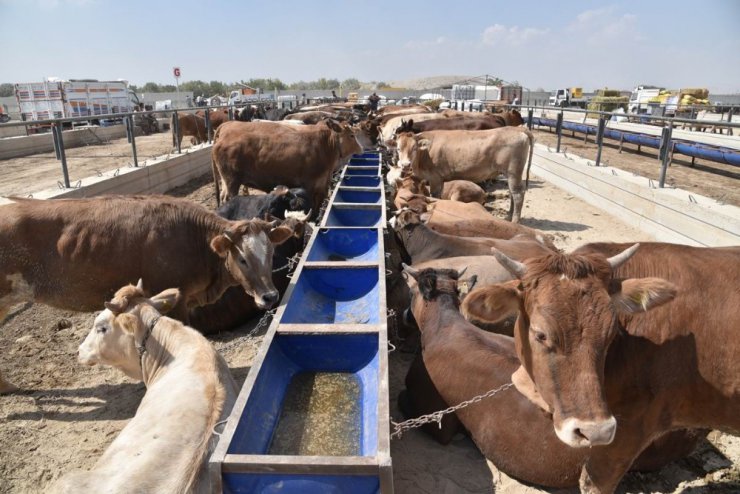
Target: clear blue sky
(618,44)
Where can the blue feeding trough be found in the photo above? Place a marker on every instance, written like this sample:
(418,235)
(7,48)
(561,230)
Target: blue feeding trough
(365,215)
(312,416)
(334,296)
(360,181)
(364,195)
(361,170)
(345,244)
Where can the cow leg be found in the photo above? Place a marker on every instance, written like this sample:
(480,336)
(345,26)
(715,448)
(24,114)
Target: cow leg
(516,199)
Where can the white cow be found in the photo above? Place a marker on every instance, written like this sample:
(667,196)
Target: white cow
(164,448)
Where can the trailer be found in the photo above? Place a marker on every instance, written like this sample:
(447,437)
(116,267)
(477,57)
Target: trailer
(74,98)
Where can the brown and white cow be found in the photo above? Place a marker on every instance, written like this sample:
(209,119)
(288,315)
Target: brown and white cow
(459,361)
(189,390)
(470,121)
(74,253)
(624,343)
(188,124)
(475,155)
(264,155)
(215,117)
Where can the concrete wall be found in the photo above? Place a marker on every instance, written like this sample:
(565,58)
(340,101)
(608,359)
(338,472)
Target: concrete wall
(14,147)
(670,215)
(156,177)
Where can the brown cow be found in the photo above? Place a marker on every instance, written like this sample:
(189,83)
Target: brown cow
(408,186)
(477,121)
(423,244)
(475,155)
(464,191)
(460,362)
(264,155)
(74,253)
(189,124)
(215,117)
(624,344)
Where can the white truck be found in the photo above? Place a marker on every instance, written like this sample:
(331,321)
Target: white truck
(569,97)
(74,98)
(640,98)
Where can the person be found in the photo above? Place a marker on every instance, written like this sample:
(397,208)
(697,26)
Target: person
(516,100)
(373,100)
(334,95)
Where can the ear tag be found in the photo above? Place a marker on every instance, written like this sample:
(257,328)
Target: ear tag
(463,288)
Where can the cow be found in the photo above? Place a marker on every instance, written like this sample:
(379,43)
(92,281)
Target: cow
(164,447)
(264,155)
(482,121)
(464,191)
(235,307)
(475,155)
(249,113)
(215,117)
(188,124)
(459,361)
(74,253)
(424,244)
(408,186)
(275,204)
(623,342)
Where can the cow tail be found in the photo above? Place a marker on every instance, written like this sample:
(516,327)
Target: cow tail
(216,175)
(530,136)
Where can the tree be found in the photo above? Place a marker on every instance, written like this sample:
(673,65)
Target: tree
(7,89)
(199,88)
(151,87)
(351,84)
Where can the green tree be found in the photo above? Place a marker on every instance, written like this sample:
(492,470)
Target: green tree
(168,88)
(151,87)
(7,89)
(351,84)
(217,87)
(197,87)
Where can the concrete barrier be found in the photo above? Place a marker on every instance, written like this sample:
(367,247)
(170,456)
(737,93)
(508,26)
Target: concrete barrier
(670,215)
(158,176)
(15,147)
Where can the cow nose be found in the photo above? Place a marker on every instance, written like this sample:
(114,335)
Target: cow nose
(270,298)
(580,433)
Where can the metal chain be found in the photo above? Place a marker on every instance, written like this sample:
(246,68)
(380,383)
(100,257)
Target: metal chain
(400,427)
(264,321)
(290,263)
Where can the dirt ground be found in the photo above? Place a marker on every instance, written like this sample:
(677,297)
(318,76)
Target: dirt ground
(707,178)
(68,414)
(28,174)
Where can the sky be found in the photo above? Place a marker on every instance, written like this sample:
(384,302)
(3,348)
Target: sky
(548,45)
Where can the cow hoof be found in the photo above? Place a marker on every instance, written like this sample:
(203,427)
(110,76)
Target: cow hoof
(7,388)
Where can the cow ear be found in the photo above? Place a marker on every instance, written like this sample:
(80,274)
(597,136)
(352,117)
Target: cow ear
(128,322)
(492,304)
(166,300)
(220,244)
(280,190)
(279,234)
(333,125)
(424,144)
(635,295)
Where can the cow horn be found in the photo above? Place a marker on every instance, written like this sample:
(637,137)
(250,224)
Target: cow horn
(619,259)
(117,307)
(412,271)
(140,285)
(461,272)
(516,268)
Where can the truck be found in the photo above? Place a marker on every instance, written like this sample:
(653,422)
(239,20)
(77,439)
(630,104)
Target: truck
(640,98)
(244,95)
(569,97)
(55,98)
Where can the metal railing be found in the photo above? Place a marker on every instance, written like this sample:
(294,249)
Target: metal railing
(666,147)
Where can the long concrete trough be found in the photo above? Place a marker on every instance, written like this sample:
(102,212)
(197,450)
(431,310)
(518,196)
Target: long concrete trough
(313,414)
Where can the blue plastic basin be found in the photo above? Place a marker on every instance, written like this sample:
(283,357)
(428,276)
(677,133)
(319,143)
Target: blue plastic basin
(334,296)
(340,215)
(345,244)
(360,181)
(371,196)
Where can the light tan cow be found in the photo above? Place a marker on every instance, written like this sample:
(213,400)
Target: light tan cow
(164,448)
(475,155)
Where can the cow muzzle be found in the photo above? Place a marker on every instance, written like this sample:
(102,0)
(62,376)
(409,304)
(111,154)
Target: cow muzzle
(582,433)
(267,300)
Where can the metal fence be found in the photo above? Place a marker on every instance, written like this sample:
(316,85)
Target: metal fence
(666,143)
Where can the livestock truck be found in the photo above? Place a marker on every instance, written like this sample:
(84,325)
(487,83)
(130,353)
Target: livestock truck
(74,98)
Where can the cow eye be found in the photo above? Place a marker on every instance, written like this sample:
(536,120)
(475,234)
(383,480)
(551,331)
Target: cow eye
(242,261)
(102,329)
(540,336)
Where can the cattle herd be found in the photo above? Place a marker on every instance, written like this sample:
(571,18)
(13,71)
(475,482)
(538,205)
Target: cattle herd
(614,357)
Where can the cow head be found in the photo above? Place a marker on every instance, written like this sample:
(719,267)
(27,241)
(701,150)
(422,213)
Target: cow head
(247,248)
(411,147)
(118,330)
(427,284)
(364,137)
(569,307)
(345,140)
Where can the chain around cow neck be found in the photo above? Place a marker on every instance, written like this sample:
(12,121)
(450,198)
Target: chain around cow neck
(141,348)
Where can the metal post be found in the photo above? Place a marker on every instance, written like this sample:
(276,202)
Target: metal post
(56,129)
(665,145)
(207,115)
(600,138)
(559,129)
(729,119)
(530,117)
(231,113)
(131,138)
(176,122)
